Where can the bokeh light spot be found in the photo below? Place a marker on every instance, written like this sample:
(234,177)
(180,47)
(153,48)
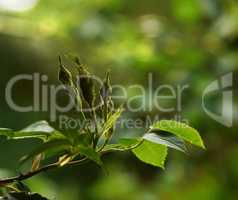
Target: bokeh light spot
(17,5)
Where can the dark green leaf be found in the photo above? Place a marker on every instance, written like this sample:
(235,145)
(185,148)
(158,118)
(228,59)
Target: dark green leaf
(21,186)
(25,196)
(90,153)
(77,138)
(86,85)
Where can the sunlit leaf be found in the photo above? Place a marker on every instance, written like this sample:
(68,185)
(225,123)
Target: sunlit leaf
(40,126)
(179,129)
(40,130)
(169,141)
(151,153)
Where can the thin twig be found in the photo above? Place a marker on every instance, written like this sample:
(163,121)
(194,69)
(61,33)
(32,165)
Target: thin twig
(28,175)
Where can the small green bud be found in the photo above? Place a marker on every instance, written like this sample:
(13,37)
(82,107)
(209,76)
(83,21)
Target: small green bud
(64,75)
(105,93)
(86,85)
(106,89)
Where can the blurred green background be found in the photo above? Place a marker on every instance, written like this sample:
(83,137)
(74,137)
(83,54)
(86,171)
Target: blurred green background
(180,41)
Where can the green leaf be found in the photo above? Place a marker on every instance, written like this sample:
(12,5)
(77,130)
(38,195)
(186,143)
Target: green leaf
(51,145)
(25,196)
(151,153)
(169,141)
(41,130)
(90,153)
(40,126)
(179,129)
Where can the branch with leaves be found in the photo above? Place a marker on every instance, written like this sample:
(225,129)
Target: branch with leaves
(71,148)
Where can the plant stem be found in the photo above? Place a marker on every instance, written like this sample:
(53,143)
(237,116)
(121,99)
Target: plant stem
(28,175)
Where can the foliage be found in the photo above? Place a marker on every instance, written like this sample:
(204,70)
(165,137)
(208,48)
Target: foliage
(92,141)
